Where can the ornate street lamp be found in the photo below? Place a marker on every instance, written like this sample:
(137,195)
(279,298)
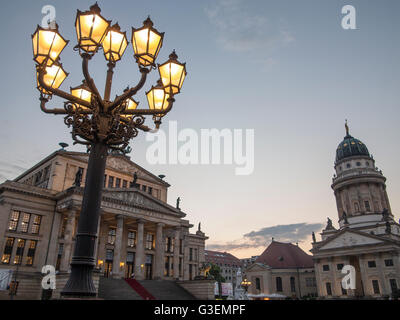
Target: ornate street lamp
(246,284)
(97,121)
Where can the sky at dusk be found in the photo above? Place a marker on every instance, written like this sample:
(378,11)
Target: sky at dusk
(286,69)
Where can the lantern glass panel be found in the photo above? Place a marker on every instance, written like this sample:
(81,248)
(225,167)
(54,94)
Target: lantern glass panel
(83,94)
(54,77)
(90,30)
(47,44)
(157,99)
(114,45)
(172,76)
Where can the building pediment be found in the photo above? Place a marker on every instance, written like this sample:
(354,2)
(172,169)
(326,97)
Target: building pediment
(255,267)
(349,239)
(140,199)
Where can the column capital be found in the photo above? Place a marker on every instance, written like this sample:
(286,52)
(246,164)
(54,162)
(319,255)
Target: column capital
(160,225)
(141,221)
(119,217)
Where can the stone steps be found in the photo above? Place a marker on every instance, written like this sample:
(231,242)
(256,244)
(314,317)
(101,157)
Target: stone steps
(116,289)
(166,290)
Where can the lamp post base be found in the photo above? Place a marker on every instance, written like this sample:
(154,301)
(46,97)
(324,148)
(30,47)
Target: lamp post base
(80,283)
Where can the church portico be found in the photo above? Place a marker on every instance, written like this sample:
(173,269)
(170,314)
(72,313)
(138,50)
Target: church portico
(368,238)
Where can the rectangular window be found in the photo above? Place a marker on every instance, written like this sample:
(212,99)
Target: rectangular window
(31,252)
(149,241)
(110,182)
(389,263)
(118,183)
(166,269)
(36,224)
(180,246)
(292,284)
(325,267)
(367,207)
(109,255)
(5,259)
(339,266)
(344,291)
(13,224)
(372,264)
(20,251)
(13,288)
(26,217)
(393,285)
(111,235)
(150,190)
(375,286)
(180,267)
(131,239)
(144,188)
(328,288)
(124,184)
(190,254)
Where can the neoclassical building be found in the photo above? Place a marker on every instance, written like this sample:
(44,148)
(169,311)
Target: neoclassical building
(139,232)
(368,237)
(282,270)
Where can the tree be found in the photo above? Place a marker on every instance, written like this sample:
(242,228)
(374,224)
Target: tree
(215,273)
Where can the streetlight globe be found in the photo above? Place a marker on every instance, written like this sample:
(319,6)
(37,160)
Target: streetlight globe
(146,42)
(172,74)
(91,28)
(114,43)
(47,45)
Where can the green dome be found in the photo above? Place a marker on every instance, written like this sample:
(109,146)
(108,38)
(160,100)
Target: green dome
(351,147)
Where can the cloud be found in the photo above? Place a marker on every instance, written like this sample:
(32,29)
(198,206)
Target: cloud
(239,30)
(10,170)
(297,232)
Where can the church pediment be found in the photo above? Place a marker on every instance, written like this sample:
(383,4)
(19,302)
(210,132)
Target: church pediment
(255,267)
(136,198)
(349,239)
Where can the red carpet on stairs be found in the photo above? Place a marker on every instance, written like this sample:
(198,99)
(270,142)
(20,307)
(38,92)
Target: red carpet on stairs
(140,289)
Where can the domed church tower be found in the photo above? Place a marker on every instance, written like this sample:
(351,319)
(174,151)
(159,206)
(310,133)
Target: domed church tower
(358,185)
(368,238)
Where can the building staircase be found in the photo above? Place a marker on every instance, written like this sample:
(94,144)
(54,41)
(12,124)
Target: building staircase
(131,289)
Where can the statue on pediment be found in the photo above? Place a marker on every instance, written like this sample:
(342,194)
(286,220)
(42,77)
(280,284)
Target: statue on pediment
(345,221)
(178,202)
(313,237)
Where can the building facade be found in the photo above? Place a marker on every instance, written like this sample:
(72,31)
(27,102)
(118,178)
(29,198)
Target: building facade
(282,270)
(227,262)
(368,237)
(140,234)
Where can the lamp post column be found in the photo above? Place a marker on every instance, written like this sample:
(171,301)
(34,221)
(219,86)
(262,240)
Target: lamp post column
(80,282)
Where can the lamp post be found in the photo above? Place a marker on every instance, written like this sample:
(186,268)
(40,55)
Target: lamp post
(246,284)
(98,122)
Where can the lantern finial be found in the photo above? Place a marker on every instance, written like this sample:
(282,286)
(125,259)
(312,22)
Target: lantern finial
(95,8)
(173,55)
(148,22)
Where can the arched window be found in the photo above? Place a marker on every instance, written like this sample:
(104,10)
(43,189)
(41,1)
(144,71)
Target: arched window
(279,284)
(292,284)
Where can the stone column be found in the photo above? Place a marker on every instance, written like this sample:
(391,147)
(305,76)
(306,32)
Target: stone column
(364,276)
(159,255)
(139,256)
(176,253)
(68,243)
(118,247)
